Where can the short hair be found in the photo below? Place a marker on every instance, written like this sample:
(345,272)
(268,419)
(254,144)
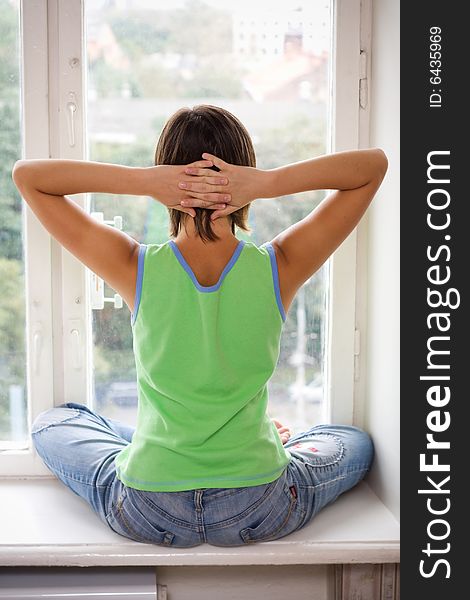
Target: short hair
(205,128)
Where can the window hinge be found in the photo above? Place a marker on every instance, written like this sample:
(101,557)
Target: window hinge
(357,352)
(363,79)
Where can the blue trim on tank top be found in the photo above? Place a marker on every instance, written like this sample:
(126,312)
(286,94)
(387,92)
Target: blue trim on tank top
(138,287)
(119,474)
(274,268)
(189,271)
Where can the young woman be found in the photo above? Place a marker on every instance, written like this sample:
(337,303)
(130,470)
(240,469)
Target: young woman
(205,462)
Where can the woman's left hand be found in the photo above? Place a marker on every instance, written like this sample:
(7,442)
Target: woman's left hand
(284,432)
(163,180)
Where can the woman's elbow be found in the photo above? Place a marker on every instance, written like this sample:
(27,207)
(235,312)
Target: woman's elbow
(18,170)
(382,162)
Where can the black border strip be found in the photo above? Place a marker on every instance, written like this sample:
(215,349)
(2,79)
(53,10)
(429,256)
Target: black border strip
(434,253)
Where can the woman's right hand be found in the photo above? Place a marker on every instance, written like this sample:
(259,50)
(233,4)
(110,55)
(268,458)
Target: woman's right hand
(284,432)
(245,184)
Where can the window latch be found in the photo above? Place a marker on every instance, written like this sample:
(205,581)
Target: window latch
(357,352)
(37,347)
(363,79)
(71,110)
(97,284)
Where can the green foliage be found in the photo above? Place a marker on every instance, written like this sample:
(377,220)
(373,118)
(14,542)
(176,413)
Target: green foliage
(10,200)
(215,77)
(133,209)
(204,67)
(139,33)
(298,138)
(155,81)
(207,30)
(9,68)
(107,80)
(12,332)
(12,306)
(12,319)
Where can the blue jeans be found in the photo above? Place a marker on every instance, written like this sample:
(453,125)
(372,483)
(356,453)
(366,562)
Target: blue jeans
(79,447)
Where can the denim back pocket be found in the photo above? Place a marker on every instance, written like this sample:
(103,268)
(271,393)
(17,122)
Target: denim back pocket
(126,520)
(284,517)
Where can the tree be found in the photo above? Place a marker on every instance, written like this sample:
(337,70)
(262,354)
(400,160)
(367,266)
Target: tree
(12,307)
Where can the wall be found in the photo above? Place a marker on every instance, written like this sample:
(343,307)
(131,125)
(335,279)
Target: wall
(379,413)
(253,583)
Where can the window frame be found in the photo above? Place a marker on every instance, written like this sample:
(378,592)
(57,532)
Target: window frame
(38,250)
(59,331)
(346,121)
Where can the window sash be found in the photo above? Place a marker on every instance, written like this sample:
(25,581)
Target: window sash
(38,248)
(344,136)
(53,69)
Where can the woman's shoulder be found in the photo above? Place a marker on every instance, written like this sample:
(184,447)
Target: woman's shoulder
(250,248)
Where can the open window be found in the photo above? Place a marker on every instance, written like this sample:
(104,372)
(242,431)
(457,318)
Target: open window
(98,82)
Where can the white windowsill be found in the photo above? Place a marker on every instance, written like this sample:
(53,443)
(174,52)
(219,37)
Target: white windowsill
(43,523)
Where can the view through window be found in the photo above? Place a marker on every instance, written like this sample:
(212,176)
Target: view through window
(267,62)
(13,389)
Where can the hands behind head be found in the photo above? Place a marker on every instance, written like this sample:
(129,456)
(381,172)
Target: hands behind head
(186,187)
(233,185)
(164,179)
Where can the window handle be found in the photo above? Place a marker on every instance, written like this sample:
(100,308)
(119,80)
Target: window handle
(97,284)
(71,110)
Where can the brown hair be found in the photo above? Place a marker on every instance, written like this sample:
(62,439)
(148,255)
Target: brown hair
(205,128)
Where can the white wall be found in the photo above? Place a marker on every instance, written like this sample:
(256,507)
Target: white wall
(380,411)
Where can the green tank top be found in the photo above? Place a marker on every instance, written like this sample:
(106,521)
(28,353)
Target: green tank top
(204,355)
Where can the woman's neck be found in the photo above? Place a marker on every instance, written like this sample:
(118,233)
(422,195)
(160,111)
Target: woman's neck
(187,236)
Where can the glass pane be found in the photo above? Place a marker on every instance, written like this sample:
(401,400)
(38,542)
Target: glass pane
(268,63)
(13,391)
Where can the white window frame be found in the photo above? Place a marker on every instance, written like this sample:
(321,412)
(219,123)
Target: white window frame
(59,332)
(349,130)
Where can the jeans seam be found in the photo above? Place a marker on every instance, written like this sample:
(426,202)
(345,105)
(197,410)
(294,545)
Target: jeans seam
(93,485)
(165,541)
(324,484)
(247,511)
(330,460)
(126,524)
(56,423)
(283,524)
(329,482)
(166,515)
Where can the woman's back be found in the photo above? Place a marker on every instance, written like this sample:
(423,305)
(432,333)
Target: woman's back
(204,355)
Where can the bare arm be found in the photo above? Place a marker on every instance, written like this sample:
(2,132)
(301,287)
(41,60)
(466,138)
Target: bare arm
(339,171)
(304,246)
(110,253)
